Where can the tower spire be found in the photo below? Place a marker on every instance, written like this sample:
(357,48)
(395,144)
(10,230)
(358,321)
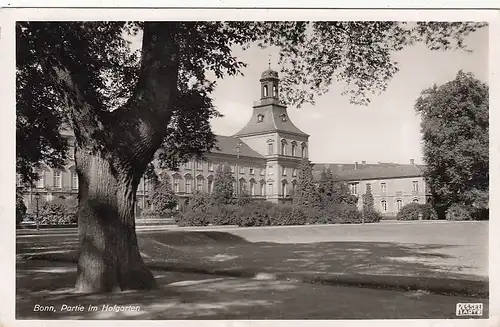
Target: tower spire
(269,61)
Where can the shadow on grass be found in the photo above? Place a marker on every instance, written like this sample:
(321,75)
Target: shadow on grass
(428,267)
(192,296)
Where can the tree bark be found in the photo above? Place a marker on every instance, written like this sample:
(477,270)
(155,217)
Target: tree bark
(112,151)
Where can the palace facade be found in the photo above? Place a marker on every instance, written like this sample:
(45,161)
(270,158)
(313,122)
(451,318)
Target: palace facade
(264,156)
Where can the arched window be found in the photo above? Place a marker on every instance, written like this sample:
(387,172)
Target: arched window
(284,188)
(260,118)
(399,204)
(271,188)
(265,91)
(177,183)
(262,188)
(283,147)
(252,187)
(57,179)
(188,184)
(304,150)
(383,204)
(275,91)
(294,149)
(199,184)
(415,200)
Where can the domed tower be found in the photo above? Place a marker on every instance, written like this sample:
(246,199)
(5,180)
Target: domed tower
(271,133)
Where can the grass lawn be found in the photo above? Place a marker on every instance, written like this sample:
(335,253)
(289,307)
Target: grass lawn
(421,258)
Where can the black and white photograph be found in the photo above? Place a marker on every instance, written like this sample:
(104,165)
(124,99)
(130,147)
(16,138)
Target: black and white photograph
(215,166)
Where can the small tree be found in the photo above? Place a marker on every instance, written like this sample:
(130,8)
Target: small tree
(163,198)
(368,204)
(326,188)
(342,194)
(223,185)
(242,198)
(306,194)
(20,206)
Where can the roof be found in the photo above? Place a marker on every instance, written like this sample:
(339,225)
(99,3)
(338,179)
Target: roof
(269,74)
(275,119)
(369,171)
(229,144)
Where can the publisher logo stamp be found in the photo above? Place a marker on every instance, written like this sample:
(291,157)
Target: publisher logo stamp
(469,309)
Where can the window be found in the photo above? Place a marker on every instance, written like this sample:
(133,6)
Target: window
(233,169)
(271,188)
(294,148)
(260,118)
(210,186)
(252,171)
(176,184)
(368,186)
(294,172)
(399,204)
(74,181)
(415,200)
(283,189)
(415,186)
(40,183)
(187,165)
(283,148)
(199,165)
(304,152)
(283,171)
(199,185)
(57,179)
(266,91)
(188,185)
(252,188)
(262,189)
(275,91)
(242,170)
(270,148)
(262,172)
(354,188)
(383,187)
(383,204)
(294,186)
(210,166)
(243,185)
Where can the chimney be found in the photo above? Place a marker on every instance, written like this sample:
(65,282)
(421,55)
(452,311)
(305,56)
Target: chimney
(363,162)
(412,162)
(356,165)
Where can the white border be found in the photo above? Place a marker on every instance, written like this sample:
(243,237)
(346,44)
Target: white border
(7,129)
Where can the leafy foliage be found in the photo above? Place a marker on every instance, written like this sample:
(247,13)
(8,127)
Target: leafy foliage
(223,185)
(368,204)
(306,195)
(411,211)
(58,211)
(163,198)
(459,212)
(455,134)
(326,187)
(20,207)
(286,214)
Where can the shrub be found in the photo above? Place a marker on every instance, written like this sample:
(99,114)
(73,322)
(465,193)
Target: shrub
(254,214)
(163,197)
(372,216)
(347,214)
(409,212)
(192,218)
(20,210)
(412,210)
(149,214)
(459,211)
(287,214)
(428,212)
(198,202)
(314,215)
(58,212)
(224,214)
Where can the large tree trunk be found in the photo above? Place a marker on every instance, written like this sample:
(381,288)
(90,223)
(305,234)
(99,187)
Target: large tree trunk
(112,152)
(109,258)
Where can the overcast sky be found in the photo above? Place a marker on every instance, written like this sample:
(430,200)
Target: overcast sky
(387,130)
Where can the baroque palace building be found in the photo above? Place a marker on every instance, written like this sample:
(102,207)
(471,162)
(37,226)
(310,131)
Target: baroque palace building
(264,156)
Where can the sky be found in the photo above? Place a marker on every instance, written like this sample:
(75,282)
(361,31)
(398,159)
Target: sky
(387,130)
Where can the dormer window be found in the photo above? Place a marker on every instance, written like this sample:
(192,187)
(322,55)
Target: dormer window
(260,118)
